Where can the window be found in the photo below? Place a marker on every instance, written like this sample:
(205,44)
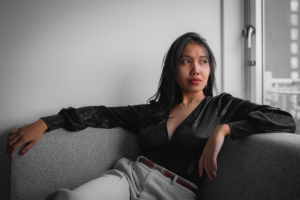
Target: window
(275,79)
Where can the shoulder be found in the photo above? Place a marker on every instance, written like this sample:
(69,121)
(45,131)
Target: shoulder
(223,97)
(218,101)
(224,100)
(224,94)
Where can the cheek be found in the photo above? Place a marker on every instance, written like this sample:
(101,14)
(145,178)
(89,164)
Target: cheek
(179,79)
(180,75)
(207,72)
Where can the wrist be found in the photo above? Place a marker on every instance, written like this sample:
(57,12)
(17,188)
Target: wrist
(225,129)
(42,124)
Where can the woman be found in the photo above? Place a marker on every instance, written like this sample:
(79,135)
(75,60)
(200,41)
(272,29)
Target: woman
(180,131)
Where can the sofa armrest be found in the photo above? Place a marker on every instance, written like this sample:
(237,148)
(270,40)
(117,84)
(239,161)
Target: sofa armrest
(63,159)
(260,166)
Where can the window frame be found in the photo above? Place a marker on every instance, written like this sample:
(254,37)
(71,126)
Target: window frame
(254,80)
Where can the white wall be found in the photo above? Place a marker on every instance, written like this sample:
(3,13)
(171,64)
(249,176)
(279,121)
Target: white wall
(56,54)
(233,73)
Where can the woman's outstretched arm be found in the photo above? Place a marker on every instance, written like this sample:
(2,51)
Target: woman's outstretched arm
(74,120)
(241,118)
(245,118)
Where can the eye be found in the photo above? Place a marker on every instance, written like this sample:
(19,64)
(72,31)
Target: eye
(203,61)
(183,61)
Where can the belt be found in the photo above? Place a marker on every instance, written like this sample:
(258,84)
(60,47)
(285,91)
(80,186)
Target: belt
(169,175)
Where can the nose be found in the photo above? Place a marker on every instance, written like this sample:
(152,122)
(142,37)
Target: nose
(196,69)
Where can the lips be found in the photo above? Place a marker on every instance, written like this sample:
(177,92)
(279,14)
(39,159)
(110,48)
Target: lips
(195,80)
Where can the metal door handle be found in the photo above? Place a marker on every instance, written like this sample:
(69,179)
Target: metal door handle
(250,32)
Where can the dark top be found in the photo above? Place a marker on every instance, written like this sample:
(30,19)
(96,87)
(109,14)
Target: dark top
(181,155)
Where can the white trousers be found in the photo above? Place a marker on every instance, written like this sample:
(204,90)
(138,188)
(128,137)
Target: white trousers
(128,180)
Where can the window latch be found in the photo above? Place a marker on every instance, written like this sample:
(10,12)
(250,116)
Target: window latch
(251,63)
(248,32)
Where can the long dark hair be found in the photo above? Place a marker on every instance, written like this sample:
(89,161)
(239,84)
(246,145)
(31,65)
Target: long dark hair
(169,92)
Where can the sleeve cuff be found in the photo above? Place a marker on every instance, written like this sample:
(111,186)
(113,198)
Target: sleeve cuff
(241,129)
(54,122)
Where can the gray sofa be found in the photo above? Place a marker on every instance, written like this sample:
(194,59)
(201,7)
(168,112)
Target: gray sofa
(261,166)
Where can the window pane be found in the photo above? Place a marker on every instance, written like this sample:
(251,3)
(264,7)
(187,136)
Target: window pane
(282,71)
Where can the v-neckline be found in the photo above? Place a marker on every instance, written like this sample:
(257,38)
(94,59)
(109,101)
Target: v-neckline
(166,126)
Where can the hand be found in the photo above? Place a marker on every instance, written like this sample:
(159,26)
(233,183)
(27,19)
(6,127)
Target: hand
(211,150)
(30,133)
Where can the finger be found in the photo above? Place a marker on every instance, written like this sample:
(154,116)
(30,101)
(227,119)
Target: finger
(12,134)
(16,146)
(201,166)
(11,153)
(14,140)
(209,161)
(13,131)
(215,174)
(214,167)
(31,144)
(212,164)
(206,166)
(214,161)
(10,148)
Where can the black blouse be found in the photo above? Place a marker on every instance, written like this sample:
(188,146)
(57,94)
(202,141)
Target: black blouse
(182,153)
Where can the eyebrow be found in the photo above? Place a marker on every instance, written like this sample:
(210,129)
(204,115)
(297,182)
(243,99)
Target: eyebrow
(190,56)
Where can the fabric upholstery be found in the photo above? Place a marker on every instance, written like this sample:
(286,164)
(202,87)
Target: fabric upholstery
(260,166)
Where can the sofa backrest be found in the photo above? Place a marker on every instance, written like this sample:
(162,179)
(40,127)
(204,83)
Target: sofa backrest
(261,166)
(63,159)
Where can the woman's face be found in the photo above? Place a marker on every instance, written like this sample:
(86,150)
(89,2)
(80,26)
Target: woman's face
(193,63)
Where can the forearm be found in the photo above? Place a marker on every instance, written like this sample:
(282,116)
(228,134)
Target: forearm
(75,119)
(53,122)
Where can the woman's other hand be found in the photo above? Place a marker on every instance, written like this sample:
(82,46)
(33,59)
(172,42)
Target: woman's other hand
(30,133)
(208,159)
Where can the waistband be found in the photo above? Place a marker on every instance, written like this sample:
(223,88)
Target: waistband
(170,175)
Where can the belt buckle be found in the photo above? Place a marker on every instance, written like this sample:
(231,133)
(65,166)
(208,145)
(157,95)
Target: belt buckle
(163,171)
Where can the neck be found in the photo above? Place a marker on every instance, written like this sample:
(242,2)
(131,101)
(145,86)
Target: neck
(192,97)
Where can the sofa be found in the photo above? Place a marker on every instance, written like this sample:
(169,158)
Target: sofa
(260,166)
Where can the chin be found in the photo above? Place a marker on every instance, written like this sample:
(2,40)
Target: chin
(195,90)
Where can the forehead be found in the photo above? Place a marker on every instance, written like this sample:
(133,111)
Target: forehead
(193,49)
